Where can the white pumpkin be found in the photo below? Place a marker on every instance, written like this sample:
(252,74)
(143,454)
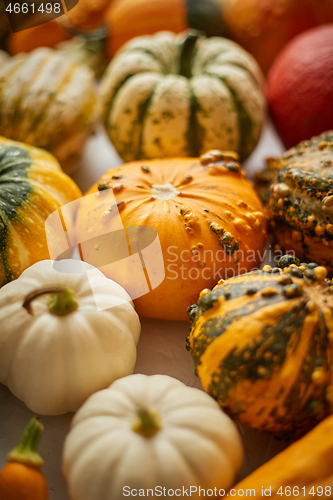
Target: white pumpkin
(58,348)
(146,432)
(167,95)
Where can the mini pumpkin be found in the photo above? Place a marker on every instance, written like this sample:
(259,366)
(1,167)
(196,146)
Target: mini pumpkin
(32,186)
(150,432)
(56,346)
(170,95)
(262,346)
(47,101)
(300,199)
(207,218)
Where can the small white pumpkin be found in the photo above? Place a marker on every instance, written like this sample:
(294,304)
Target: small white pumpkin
(56,347)
(149,431)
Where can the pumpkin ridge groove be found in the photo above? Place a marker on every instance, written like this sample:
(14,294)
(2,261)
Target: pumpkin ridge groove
(234,368)
(244,121)
(195,132)
(143,111)
(211,330)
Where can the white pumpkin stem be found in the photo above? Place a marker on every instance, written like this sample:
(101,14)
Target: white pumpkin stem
(147,422)
(62,300)
(25,452)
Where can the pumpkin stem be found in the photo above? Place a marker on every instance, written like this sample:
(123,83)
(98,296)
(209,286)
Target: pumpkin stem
(25,452)
(147,422)
(186,54)
(62,300)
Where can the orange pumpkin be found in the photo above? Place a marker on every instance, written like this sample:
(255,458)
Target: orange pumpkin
(86,15)
(263,27)
(127,19)
(208,218)
(44,35)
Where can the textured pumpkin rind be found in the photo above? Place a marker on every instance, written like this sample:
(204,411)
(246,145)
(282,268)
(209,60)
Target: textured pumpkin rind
(215,219)
(151,111)
(262,349)
(47,101)
(33,186)
(305,465)
(301,193)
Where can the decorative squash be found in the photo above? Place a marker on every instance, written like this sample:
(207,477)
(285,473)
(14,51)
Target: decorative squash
(304,469)
(262,346)
(172,95)
(175,437)
(56,347)
(47,101)
(87,50)
(127,19)
(21,478)
(263,27)
(32,186)
(301,199)
(208,218)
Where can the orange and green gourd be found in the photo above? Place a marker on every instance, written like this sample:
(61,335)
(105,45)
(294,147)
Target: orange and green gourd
(21,478)
(32,186)
(262,345)
(300,199)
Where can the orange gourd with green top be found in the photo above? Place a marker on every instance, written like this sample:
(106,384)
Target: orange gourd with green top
(21,478)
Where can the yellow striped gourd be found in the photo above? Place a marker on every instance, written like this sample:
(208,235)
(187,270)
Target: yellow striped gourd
(262,344)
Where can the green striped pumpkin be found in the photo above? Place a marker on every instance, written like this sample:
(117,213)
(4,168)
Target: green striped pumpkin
(262,344)
(47,101)
(171,95)
(32,186)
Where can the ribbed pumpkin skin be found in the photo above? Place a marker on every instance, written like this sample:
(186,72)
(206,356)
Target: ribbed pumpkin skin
(207,226)
(127,19)
(49,102)
(151,111)
(262,344)
(32,186)
(301,199)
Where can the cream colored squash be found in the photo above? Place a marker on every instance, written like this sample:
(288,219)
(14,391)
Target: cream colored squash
(150,431)
(64,335)
(170,95)
(48,101)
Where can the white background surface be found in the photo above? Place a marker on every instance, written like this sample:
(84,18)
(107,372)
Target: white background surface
(161,347)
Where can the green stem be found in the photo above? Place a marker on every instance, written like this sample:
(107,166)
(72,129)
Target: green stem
(25,452)
(147,422)
(62,299)
(187,52)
